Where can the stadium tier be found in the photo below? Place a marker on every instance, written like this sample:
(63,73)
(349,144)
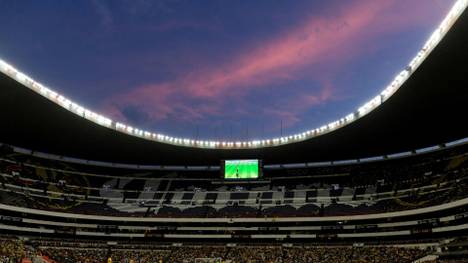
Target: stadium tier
(359,209)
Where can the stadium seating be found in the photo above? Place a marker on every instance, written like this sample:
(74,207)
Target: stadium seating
(80,251)
(135,214)
(430,180)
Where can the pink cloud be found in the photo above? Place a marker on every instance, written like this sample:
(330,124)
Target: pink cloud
(320,42)
(287,110)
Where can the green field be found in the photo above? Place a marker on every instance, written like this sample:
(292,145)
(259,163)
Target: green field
(241,169)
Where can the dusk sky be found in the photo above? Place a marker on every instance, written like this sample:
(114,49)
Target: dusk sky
(217,69)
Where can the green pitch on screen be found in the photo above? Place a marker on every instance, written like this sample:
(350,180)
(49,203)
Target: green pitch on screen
(241,169)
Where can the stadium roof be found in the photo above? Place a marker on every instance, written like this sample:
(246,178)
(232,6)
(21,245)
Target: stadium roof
(428,108)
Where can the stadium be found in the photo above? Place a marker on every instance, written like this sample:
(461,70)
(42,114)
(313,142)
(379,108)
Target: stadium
(385,183)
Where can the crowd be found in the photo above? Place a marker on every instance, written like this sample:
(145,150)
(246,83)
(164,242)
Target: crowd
(14,250)
(92,255)
(11,251)
(272,254)
(357,255)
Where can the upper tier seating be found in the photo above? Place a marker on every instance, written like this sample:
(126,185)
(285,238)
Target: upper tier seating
(368,188)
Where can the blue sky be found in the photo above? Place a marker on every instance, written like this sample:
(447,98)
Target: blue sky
(217,69)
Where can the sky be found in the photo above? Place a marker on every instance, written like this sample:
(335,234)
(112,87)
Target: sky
(212,69)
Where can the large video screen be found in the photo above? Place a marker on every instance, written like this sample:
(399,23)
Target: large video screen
(241,169)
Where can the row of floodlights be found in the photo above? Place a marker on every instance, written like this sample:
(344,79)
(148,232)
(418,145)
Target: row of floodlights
(435,38)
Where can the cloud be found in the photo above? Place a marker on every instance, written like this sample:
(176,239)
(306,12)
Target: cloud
(287,110)
(104,13)
(174,24)
(320,43)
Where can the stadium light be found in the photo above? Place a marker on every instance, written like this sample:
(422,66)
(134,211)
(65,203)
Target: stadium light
(366,108)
